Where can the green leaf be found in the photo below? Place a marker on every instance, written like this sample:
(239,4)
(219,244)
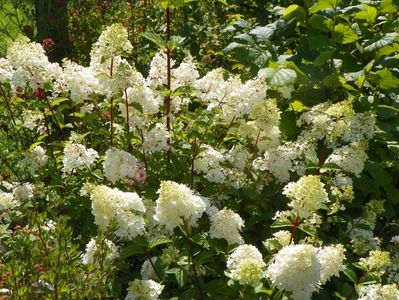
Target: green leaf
(388,39)
(321,23)
(137,106)
(388,80)
(174,42)
(58,101)
(279,77)
(388,7)
(368,13)
(181,277)
(233,46)
(131,250)
(308,229)
(259,57)
(183,90)
(31,147)
(159,240)
(263,33)
(281,223)
(350,274)
(155,38)
(298,106)
(294,11)
(321,5)
(200,239)
(344,34)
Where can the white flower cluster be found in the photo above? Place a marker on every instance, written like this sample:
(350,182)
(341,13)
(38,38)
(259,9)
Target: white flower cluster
(307,195)
(23,192)
(231,96)
(296,268)
(91,254)
(156,139)
(379,292)
(337,121)
(119,164)
(175,203)
(144,290)
(301,268)
(282,237)
(35,159)
(284,159)
(331,260)
(79,80)
(209,163)
(246,265)
(34,120)
(77,155)
(112,42)
(30,64)
(226,224)
(7,201)
(377,261)
(350,158)
(141,94)
(126,208)
(5,70)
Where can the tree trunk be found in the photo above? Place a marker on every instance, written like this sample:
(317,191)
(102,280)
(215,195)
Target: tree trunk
(52,28)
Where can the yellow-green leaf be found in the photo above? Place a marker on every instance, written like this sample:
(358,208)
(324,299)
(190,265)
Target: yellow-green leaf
(294,11)
(368,13)
(344,34)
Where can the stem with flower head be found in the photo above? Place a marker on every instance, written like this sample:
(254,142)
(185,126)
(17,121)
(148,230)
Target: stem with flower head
(168,99)
(111,104)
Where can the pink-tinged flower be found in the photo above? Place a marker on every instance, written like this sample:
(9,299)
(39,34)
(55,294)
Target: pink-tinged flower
(141,176)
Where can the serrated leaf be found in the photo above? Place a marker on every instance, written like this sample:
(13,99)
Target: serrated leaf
(388,39)
(308,229)
(388,80)
(321,5)
(294,11)
(200,239)
(31,147)
(131,250)
(263,33)
(155,38)
(244,37)
(298,106)
(156,241)
(137,106)
(183,90)
(259,57)
(388,7)
(233,46)
(279,77)
(281,223)
(321,23)
(368,13)
(344,34)
(58,101)
(174,42)
(350,274)
(181,277)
